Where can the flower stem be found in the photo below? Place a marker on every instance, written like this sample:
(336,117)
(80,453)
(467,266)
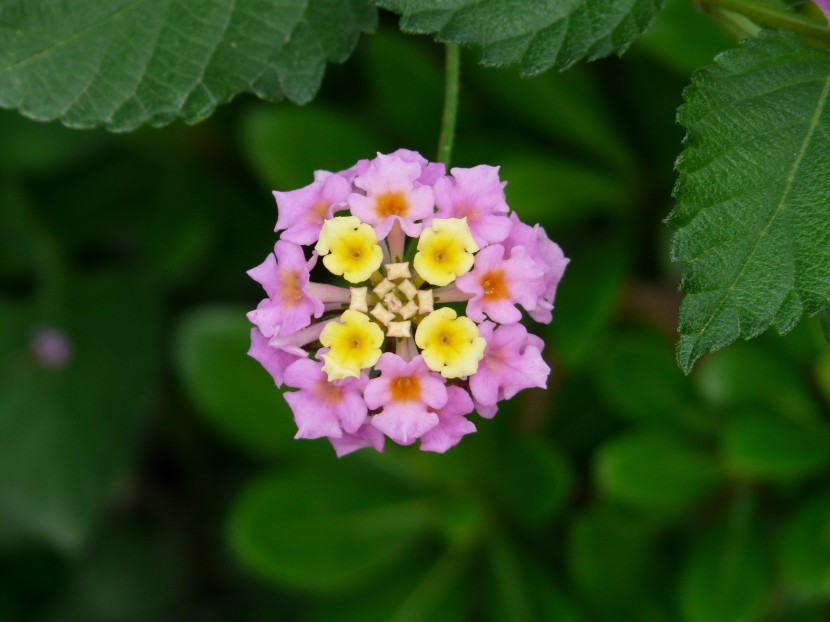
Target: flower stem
(450,114)
(771,17)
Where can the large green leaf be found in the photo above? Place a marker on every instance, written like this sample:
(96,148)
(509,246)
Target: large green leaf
(753,228)
(805,547)
(656,471)
(126,63)
(326,530)
(727,577)
(534,35)
(67,435)
(231,390)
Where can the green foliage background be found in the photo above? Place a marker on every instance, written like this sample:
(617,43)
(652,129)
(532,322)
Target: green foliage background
(156,478)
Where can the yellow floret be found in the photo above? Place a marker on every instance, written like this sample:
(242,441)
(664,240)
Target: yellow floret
(445,251)
(450,345)
(350,248)
(355,343)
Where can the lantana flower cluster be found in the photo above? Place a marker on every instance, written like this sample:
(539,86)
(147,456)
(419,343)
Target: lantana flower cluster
(418,323)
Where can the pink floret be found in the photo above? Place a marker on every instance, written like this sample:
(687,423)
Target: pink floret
(274,360)
(548,257)
(324,408)
(476,194)
(366,436)
(512,362)
(284,276)
(407,394)
(498,284)
(392,176)
(452,423)
(301,212)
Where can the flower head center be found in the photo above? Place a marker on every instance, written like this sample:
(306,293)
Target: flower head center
(317,213)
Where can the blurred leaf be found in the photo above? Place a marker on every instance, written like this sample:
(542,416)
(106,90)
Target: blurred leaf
(683,37)
(766,444)
(566,107)
(31,577)
(521,589)
(69,62)
(536,37)
(580,191)
(325,531)
(586,298)
(68,435)
(418,591)
(610,557)
(406,92)
(231,390)
(659,397)
(130,574)
(726,577)
(286,146)
(805,547)
(752,229)
(825,325)
(544,475)
(656,471)
(751,374)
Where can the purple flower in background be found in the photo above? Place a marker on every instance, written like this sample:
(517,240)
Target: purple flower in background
(51,348)
(824,5)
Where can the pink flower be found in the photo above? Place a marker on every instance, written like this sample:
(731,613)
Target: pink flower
(366,436)
(478,194)
(324,408)
(393,194)
(452,424)
(51,347)
(499,284)
(512,362)
(408,394)
(274,360)
(430,171)
(302,212)
(284,275)
(547,255)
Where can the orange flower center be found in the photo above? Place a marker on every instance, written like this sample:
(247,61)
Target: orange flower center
(405,388)
(327,392)
(494,285)
(391,204)
(317,214)
(291,291)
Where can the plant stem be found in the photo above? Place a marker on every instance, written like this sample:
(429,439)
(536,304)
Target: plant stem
(450,114)
(771,17)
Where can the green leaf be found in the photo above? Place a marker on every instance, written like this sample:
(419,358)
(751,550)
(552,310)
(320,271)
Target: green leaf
(68,435)
(656,472)
(522,589)
(325,530)
(805,547)
(766,444)
(753,228)
(825,325)
(231,390)
(419,590)
(726,577)
(126,63)
(536,36)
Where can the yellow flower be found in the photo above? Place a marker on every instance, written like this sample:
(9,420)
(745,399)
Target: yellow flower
(354,344)
(350,248)
(450,345)
(445,251)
